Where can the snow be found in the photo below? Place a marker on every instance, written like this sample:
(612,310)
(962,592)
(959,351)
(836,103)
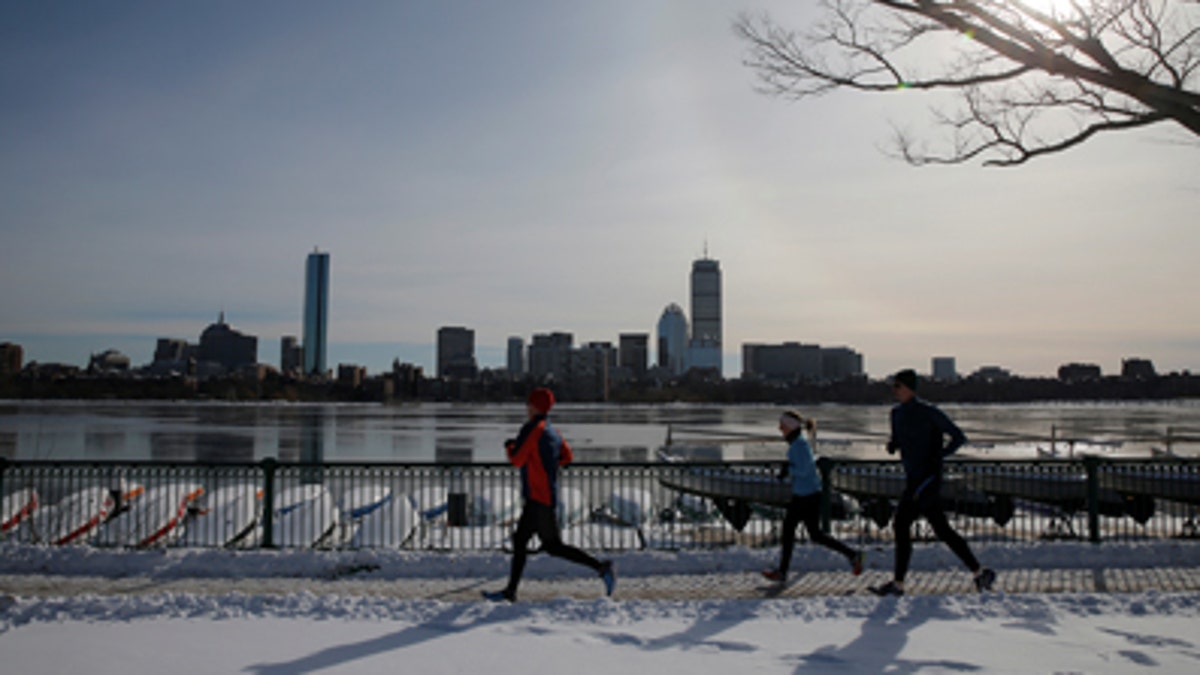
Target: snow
(309,632)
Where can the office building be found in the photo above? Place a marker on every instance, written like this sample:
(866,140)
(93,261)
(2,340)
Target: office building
(221,344)
(12,357)
(944,369)
(456,353)
(1074,373)
(704,348)
(634,353)
(672,339)
(789,362)
(291,355)
(840,363)
(516,357)
(316,313)
(586,377)
(548,355)
(792,362)
(1138,369)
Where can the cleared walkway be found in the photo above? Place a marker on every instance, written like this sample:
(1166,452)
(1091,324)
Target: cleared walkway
(685,587)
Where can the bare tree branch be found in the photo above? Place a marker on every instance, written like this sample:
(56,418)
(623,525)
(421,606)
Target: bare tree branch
(1031,81)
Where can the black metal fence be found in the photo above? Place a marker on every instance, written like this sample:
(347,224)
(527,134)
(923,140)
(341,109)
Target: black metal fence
(666,506)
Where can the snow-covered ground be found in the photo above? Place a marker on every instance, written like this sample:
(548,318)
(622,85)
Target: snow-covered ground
(307,632)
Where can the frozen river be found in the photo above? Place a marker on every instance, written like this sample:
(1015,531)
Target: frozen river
(187,431)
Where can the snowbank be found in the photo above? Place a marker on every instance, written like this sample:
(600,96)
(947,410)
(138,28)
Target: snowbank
(394,564)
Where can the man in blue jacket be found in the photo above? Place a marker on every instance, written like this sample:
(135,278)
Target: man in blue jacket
(919,432)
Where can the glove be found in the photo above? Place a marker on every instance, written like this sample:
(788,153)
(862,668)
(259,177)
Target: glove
(510,445)
(892,447)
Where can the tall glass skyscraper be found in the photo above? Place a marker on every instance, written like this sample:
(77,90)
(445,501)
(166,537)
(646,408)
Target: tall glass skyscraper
(704,350)
(316,312)
(672,339)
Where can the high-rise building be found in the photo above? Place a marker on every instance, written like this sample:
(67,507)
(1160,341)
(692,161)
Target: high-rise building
(704,348)
(516,357)
(220,343)
(11,358)
(840,363)
(1138,369)
(549,355)
(291,354)
(456,353)
(672,339)
(944,369)
(634,352)
(316,313)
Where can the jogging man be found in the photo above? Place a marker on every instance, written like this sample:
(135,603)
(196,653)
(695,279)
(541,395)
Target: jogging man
(539,451)
(919,432)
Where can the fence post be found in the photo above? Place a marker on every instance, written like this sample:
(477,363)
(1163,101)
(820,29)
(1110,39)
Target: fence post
(3,469)
(268,533)
(1091,464)
(825,466)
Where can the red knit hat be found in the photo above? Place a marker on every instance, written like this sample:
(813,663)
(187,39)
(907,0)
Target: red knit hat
(541,399)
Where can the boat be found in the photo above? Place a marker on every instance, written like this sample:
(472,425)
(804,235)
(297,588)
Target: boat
(304,516)
(719,484)
(72,519)
(1166,481)
(154,519)
(17,507)
(495,505)
(877,488)
(362,500)
(389,525)
(630,506)
(1065,492)
(431,502)
(229,516)
(572,507)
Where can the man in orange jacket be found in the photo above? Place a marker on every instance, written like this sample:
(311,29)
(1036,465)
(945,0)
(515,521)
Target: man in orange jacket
(539,451)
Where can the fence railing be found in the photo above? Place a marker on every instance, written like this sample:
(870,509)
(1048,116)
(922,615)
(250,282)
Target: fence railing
(666,505)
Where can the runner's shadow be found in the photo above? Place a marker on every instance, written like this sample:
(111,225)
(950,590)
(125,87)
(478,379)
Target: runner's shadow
(879,645)
(448,621)
(700,634)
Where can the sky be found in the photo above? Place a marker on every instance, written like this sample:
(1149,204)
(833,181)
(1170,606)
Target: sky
(527,167)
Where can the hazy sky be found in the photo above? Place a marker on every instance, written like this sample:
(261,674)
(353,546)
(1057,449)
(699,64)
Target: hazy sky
(523,167)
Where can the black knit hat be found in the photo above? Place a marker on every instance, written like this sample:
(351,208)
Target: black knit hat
(906,377)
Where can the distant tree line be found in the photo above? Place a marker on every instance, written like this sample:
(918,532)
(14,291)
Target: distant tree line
(273,386)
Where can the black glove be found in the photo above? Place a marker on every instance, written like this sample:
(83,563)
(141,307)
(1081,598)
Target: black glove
(892,447)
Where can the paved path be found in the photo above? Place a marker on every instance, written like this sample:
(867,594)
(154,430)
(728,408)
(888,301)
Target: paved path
(746,585)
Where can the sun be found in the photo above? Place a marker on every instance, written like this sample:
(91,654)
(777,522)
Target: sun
(1056,8)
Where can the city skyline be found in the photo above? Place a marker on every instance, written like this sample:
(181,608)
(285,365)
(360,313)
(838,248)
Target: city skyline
(533,167)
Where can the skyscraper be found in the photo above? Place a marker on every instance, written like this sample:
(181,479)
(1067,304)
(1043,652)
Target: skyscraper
(704,350)
(516,357)
(634,350)
(316,312)
(456,353)
(672,339)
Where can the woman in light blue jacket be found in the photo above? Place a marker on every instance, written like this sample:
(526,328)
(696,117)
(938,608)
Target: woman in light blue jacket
(806,496)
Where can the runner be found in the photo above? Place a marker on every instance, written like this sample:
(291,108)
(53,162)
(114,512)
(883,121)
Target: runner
(539,451)
(919,431)
(805,505)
